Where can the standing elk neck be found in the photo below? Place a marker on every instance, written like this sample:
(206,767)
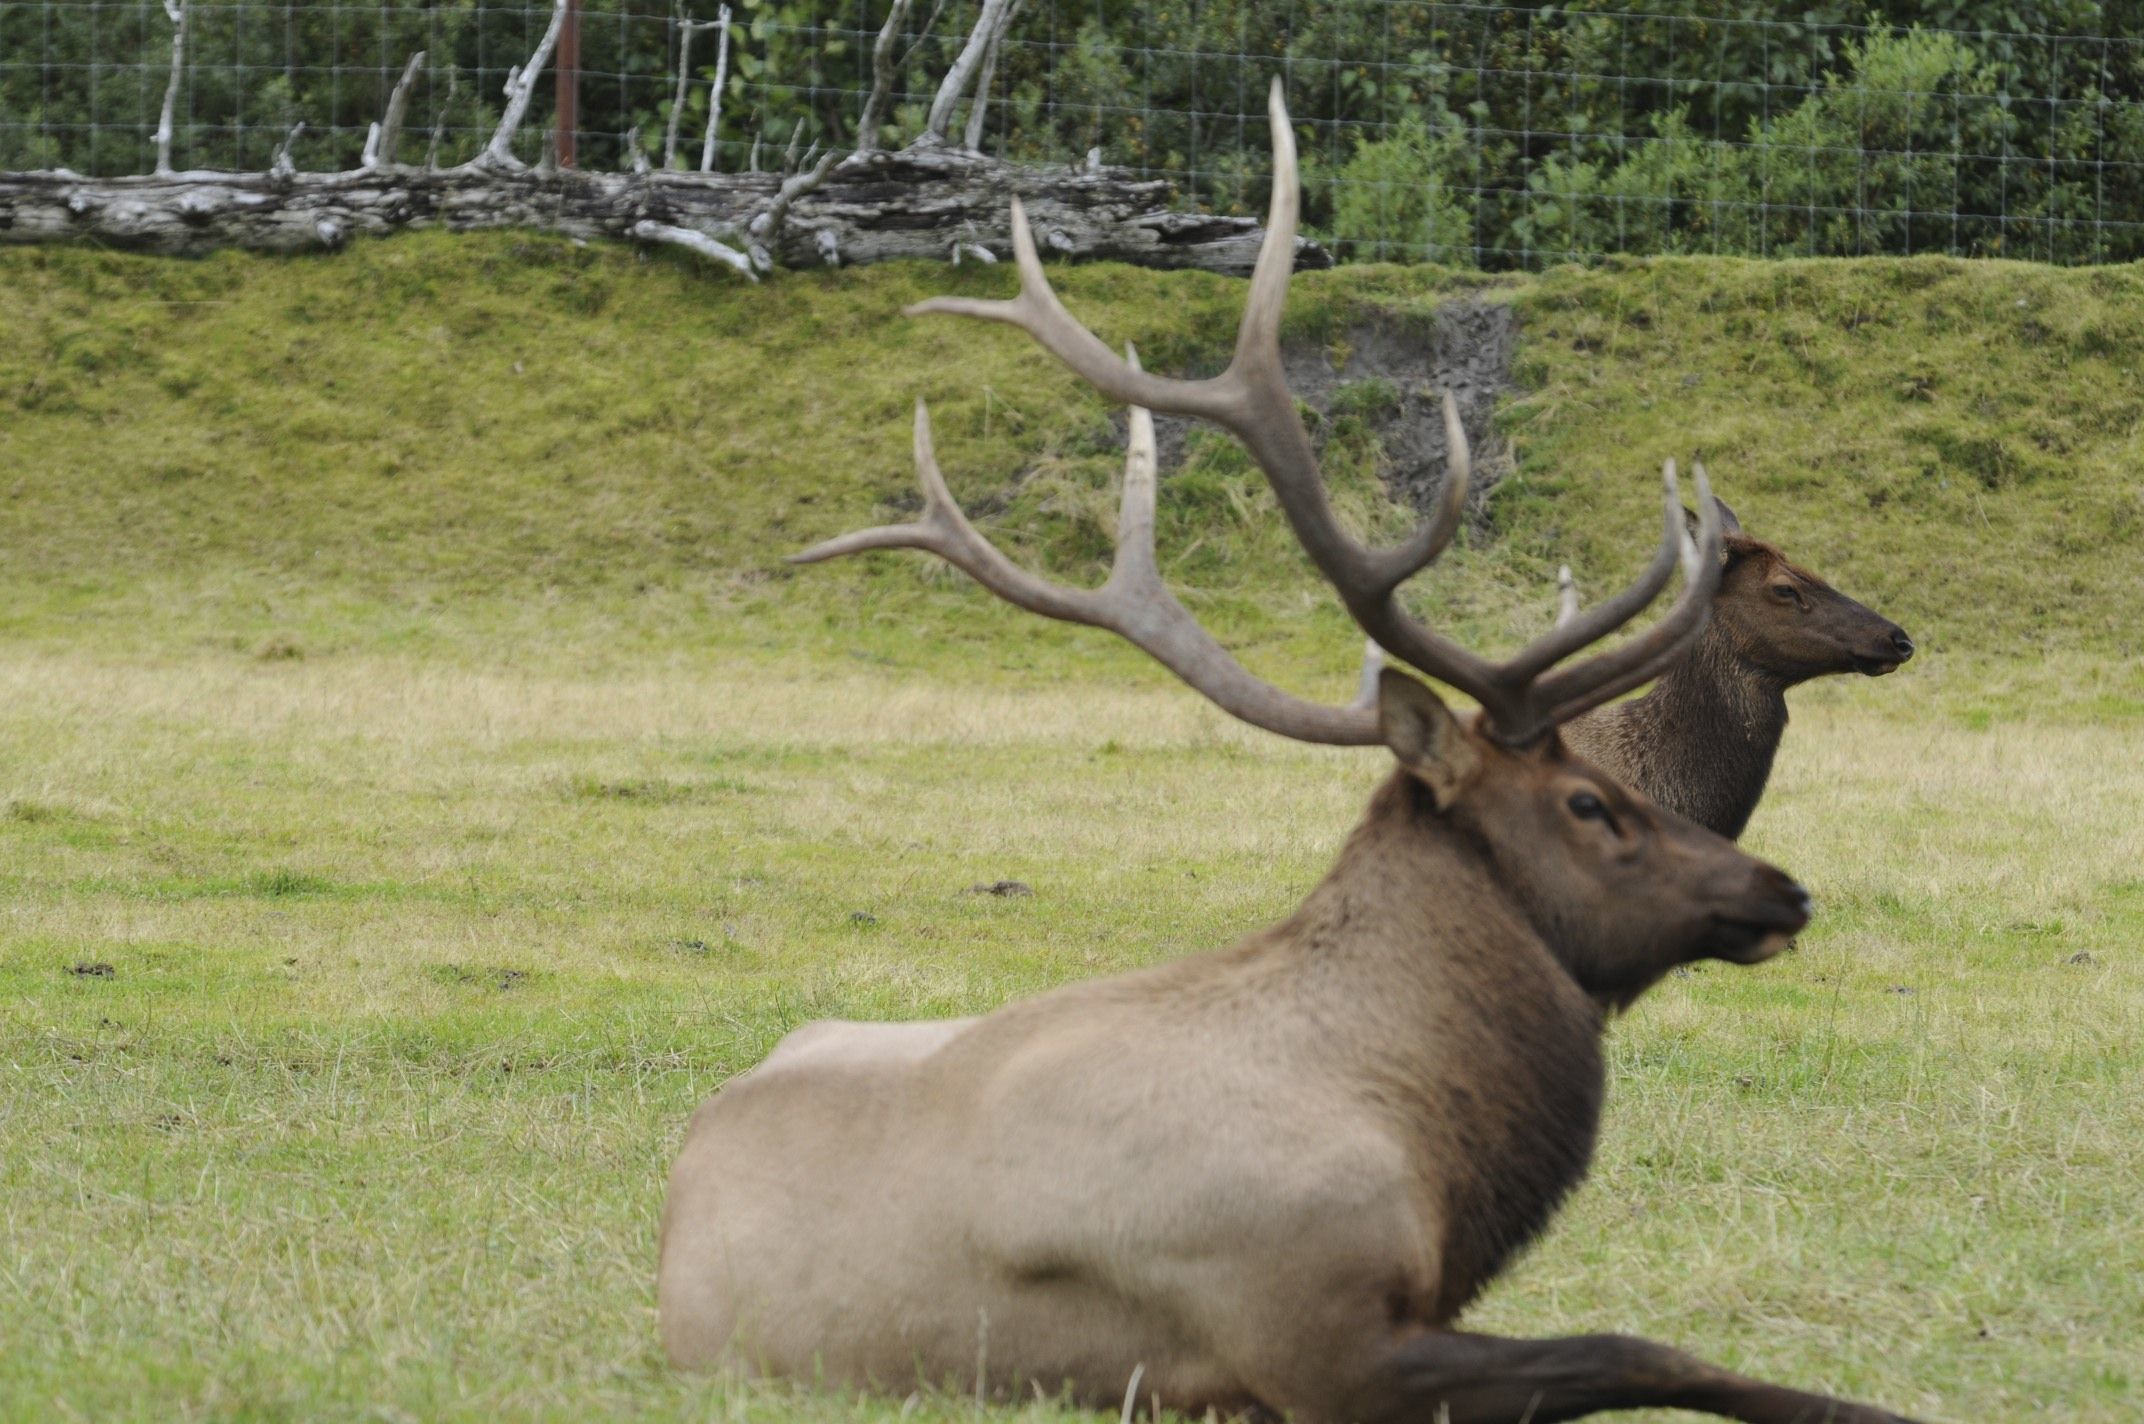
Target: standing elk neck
(1703,740)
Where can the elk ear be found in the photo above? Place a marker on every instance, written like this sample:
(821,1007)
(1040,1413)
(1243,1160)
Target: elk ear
(1728,525)
(1425,736)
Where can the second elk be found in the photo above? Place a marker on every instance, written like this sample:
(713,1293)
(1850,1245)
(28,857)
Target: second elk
(1271,1177)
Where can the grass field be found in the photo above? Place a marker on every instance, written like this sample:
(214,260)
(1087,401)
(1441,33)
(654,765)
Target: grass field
(393,856)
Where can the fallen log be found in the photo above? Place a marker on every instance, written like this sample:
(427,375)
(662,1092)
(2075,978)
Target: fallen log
(920,202)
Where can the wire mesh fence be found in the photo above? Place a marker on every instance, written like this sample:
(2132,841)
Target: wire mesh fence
(1480,134)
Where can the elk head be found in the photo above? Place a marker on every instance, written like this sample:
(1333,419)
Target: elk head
(1788,624)
(1620,889)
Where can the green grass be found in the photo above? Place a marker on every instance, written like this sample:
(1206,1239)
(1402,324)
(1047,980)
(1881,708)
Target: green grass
(456,790)
(416,973)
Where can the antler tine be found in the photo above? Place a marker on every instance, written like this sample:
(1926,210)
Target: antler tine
(1428,541)
(1373,663)
(945,531)
(1566,596)
(1574,690)
(1520,699)
(1134,563)
(1038,312)
(1251,400)
(1134,603)
(1595,623)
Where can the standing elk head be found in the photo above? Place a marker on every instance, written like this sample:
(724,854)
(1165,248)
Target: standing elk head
(1789,624)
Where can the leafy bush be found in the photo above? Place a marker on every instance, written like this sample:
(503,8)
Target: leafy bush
(1404,198)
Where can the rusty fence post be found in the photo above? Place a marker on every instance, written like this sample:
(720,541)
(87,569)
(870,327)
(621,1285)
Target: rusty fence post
(568,70)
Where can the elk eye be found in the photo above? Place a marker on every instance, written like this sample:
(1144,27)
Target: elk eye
(1587,807)
(1785,591)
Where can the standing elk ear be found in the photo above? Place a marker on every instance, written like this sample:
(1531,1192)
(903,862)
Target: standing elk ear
(1728,523)
(1425,736)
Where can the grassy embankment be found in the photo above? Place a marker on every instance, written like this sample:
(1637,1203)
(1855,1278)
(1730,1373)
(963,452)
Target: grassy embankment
(399,694)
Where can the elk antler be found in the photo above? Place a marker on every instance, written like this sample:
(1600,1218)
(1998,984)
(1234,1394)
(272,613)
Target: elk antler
(1133,603)
(1521,698)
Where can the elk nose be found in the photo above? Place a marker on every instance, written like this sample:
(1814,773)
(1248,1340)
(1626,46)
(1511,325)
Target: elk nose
(1904,644)
(1789,900)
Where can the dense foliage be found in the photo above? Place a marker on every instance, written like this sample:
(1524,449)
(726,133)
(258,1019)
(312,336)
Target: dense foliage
(1491,135)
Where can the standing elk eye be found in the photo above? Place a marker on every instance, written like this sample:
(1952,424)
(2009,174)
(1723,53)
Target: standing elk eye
(1587,807)
(1786,592)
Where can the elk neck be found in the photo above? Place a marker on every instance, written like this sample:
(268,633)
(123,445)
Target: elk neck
(1432,991)
(1701,742)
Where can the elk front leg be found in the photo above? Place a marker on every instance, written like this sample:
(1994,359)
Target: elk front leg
(1452,1378)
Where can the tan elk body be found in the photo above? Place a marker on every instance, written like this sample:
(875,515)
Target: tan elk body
(1269,1178)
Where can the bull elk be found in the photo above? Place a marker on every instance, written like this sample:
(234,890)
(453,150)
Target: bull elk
(1701,742)
(1268,1178)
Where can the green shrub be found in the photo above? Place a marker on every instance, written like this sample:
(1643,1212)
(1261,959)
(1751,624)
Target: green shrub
(1403,198)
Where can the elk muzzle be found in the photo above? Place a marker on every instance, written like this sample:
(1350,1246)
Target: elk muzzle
(1764,919)
(1886,652)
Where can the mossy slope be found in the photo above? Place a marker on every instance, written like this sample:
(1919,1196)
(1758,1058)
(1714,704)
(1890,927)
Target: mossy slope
(523,445)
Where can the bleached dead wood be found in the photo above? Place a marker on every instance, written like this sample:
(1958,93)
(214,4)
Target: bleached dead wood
(979,106)
(938,125)
(686,30)
(390,133)
(714,90)
(928,201)
(874,113)
(281,167)
(697,242)
(176,11)
(916,203)
(520,86)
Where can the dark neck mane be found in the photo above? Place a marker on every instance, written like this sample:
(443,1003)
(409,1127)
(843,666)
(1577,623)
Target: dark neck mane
(1701,742)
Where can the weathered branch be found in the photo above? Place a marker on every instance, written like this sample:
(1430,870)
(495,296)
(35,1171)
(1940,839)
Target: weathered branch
(177,11)
(766,226)
(910,204)
(281,166)
(962,71)
(520,88)
(686,30)
(882,73)
(979,106)
(698,242)
(439,121)
(714,90)
(397,108)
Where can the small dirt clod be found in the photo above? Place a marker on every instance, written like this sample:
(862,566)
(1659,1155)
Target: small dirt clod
(1001,888)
